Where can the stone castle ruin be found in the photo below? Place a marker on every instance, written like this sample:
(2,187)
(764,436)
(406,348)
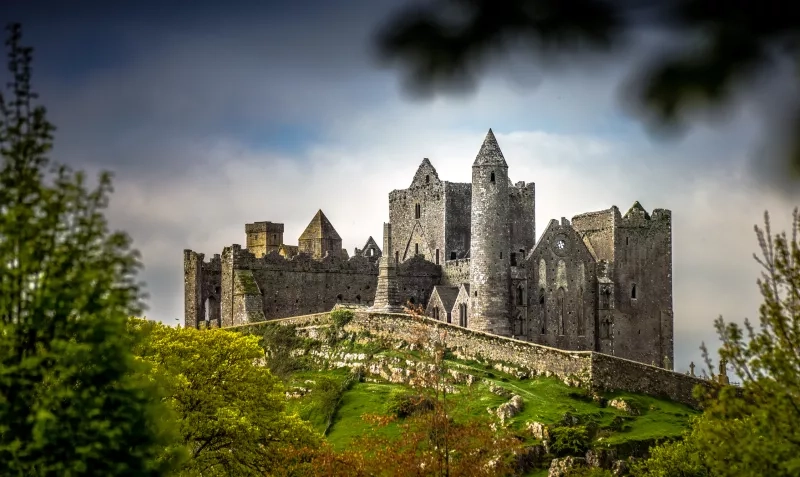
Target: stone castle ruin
(468,253)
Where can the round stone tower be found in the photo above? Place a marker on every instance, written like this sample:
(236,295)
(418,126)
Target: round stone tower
(490,242)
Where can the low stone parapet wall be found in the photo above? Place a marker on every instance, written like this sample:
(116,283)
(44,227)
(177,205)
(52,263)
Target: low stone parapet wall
(587,369)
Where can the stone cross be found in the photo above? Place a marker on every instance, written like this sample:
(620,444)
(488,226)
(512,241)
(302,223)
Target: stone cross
(691,368)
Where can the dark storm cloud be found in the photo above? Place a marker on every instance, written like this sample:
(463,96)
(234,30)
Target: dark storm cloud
(221,114)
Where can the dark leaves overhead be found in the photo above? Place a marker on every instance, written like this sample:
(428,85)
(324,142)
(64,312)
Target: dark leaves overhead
(447,43)
(444,43)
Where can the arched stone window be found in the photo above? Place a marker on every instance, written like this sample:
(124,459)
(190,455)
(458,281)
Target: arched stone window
(560,310)
(581,316)
(633,291)
(543,311)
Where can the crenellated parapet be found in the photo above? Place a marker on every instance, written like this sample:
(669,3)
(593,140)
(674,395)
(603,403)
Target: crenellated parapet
(302,262)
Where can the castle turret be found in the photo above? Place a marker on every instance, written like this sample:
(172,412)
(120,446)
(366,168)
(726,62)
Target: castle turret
(387,294)
(263,237)
(490,241)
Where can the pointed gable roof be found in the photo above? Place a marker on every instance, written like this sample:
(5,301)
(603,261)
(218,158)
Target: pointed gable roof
(490,153)
(637,207)
(371,241)
(447,295)
(426,174)
(320,228)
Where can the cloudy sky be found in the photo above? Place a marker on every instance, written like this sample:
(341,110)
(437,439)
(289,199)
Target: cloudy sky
(213,116)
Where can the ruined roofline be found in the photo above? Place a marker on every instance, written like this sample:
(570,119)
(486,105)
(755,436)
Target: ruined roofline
(275,259)
(613,210)
(213,263)
(266,226)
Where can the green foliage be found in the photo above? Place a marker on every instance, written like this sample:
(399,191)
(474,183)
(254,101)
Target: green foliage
(446,43)
(673,459)
(334,333)
(591,472)
(230,410)
(71,399)
(279,343)
(340,318)
(569,440)
(403,404)
(753,430)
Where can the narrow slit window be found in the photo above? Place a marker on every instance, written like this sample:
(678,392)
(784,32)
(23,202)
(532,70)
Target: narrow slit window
(633,291)
(417,211)
(491,177)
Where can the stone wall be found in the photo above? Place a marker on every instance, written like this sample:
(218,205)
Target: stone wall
(455,272)
(202,289)
(293,286)
(458,219)
(585,368)
(522,219)
(561,290)
(643,277)
(472,344)
(611,373)
(423,235)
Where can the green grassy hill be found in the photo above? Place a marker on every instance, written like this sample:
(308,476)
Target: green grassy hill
(335,406)
(338,378)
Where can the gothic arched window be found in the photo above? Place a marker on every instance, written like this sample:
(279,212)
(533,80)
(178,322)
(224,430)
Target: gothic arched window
(560,309)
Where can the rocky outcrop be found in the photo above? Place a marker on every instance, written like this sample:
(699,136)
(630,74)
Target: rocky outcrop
(624,406)
(510,409)
(562,467)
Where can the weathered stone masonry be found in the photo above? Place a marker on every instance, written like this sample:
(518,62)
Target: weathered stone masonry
(587,369)
(602,282)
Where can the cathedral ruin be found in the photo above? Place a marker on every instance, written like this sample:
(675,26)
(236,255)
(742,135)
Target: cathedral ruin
(467,253)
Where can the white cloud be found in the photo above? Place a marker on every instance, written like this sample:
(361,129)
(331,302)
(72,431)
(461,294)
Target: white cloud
(165,120)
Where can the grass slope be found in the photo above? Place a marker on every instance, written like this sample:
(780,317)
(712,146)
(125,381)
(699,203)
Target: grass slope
(546,400)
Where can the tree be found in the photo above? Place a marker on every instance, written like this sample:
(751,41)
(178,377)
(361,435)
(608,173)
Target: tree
(71,399)
(754,429)
(448,43)
(230,408)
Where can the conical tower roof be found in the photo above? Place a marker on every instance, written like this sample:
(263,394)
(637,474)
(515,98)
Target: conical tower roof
(490,153)
(320,228)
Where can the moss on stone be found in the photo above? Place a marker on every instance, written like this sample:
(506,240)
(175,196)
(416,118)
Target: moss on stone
(245,283)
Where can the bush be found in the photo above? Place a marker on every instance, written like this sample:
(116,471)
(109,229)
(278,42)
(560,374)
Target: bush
(403,404)
(573,440)
(340,318)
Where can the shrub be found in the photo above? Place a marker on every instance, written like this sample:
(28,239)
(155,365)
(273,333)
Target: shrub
(340,318)
(572,440)
(403,404)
